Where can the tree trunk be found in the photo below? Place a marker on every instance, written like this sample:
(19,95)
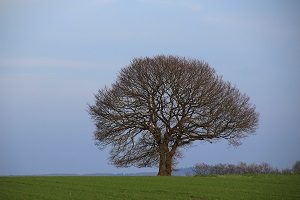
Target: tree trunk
(165,162)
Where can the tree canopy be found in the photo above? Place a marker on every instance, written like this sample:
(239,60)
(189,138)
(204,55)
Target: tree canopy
(160,104)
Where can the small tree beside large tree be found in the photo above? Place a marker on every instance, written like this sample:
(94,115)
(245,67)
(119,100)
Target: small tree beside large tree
(161,104)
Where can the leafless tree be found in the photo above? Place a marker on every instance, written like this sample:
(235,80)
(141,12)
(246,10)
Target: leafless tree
(240,168)
(287,171)
(161,104)
(202,169)
(296,167)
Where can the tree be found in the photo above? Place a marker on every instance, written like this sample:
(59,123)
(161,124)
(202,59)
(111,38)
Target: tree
(240,168)
(161,104)
(296,167)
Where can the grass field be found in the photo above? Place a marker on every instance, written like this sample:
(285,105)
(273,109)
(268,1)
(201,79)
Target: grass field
(201,187)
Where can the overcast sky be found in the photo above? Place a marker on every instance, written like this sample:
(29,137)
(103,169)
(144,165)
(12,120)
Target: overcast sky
(55,54)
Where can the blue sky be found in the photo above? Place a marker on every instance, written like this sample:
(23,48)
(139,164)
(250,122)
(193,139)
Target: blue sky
(55,54)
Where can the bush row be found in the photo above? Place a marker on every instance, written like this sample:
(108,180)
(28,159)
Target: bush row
(243,168)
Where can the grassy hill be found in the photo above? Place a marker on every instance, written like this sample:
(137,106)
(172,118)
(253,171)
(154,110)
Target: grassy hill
(200,187)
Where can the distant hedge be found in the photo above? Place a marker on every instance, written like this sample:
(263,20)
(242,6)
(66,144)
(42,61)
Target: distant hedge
(242,168)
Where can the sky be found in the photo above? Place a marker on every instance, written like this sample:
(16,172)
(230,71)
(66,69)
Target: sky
(56,54)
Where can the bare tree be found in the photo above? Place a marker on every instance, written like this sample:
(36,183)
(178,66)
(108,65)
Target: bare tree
(159,105)
(240,168)
(296,167)
(287,171)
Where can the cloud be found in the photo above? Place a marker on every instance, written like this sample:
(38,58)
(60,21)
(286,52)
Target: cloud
(46,62)
(40,69)
(188,5)
(104,2)
(259,24)
(9,2)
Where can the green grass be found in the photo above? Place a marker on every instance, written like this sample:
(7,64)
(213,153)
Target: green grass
(201,187)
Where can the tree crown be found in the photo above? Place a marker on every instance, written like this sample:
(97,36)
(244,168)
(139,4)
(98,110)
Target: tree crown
(165,103)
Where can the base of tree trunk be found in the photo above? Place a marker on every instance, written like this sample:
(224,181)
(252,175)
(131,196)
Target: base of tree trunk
(164,174)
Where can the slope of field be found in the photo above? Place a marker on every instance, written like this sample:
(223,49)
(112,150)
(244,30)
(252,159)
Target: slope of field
(201,187)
